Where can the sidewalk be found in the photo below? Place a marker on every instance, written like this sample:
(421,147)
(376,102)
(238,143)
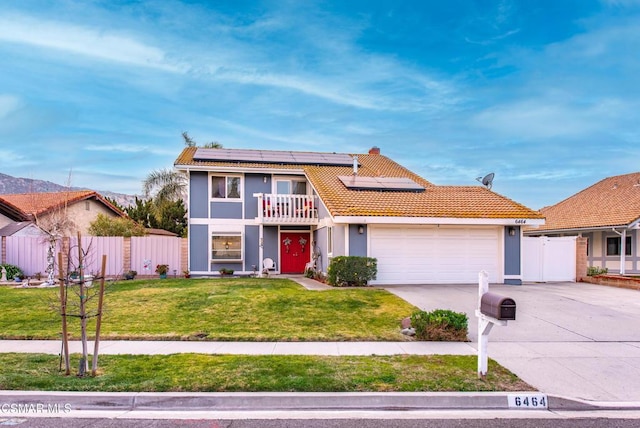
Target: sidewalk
(111,347)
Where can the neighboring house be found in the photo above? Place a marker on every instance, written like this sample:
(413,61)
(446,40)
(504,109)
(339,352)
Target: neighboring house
(77,208)
(22,228)
(608,215)
(300,209)
(159,232)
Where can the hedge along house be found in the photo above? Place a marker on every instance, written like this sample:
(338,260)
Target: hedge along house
(608,215)
(300,209)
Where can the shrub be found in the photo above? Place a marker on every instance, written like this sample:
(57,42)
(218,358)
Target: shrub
(351,271)
(12,271)
(440,325)
(595,270)
(226,271)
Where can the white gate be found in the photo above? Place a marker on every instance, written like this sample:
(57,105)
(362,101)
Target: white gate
(546,259)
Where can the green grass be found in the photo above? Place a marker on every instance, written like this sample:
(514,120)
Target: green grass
(251,309)
(217,373)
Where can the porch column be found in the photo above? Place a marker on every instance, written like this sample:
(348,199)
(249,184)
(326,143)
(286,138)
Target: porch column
(623,250)
(260,249)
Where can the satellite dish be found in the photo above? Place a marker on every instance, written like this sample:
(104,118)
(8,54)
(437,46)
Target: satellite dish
(487,180)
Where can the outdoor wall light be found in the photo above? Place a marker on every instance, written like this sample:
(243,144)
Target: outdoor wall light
(361,229)
(512,231)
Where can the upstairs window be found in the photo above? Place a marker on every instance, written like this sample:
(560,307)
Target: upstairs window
(614,244)
(291,187)
(225,187)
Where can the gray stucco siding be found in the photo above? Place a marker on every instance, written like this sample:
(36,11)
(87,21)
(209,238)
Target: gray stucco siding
(251,247)
(271,244)
(512,255)
(198,195)
(199,247)
(357,241)
(320,238)
(254,183)
(232,210)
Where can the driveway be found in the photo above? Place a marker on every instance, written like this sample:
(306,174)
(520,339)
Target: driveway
(570,339)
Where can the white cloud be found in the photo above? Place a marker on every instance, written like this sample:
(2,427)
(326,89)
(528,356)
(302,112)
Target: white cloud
(127,148)
(8,104)
(99,44)
(534,119)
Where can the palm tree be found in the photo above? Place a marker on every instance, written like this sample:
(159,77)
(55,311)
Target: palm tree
(165,185)
(190,142)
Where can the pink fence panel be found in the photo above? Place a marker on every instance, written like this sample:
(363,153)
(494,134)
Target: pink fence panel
(29,253)
(149,251)
(95,247)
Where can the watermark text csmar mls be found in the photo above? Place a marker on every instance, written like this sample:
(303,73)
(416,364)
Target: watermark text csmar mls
(34,408)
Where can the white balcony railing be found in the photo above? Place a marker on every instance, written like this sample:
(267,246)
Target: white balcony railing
(298,209)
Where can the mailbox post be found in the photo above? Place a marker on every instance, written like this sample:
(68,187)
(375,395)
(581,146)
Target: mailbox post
(492,309)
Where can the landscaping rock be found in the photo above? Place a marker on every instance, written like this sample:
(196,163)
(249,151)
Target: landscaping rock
(408,331)
(406,322)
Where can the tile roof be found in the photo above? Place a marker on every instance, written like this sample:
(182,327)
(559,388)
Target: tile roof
(434,201)
(30,204)
(613,201)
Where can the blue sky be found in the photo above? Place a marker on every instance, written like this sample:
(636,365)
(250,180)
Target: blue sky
(546,94)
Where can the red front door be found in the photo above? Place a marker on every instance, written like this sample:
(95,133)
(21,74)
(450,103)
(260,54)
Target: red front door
(294,251)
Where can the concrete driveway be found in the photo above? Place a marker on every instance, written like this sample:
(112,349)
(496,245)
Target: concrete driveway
(571,339)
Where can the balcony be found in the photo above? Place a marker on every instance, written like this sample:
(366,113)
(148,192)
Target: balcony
(286,209)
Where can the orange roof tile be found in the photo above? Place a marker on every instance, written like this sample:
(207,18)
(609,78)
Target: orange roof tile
(31,204)
(434,201)
(613,201)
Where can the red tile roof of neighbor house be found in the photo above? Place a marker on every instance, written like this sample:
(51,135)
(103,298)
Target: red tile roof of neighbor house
(434,201)
(613,201)
(30,204)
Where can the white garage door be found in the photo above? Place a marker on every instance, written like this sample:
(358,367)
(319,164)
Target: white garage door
(435,255)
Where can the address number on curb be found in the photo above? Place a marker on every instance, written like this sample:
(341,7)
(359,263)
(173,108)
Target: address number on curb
(528,401)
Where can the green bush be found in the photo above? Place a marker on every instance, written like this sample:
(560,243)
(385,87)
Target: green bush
(351,271)
(12,271)
(440,325)
(595,270)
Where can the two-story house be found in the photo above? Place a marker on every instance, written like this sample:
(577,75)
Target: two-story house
(284,210)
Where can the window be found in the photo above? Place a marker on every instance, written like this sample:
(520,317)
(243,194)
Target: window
(226,247)
(223,187)
(613,246)
(330,240)
(291,187)
(87,205)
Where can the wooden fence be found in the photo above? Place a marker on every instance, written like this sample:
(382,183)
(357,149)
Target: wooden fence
(141,254)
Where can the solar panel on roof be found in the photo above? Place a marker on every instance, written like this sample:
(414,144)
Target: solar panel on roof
(356,182)
(273,156)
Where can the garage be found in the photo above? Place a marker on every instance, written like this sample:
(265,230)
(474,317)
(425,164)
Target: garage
(435,254)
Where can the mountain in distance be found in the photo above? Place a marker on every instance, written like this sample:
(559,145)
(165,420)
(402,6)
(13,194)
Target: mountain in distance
(10,184)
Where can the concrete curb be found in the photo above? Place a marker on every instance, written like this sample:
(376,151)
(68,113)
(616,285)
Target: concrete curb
(220,401)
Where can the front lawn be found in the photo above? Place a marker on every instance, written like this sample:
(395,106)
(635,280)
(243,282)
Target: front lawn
(251,309)
(228,373)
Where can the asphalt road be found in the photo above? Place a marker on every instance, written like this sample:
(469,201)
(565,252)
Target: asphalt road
(595,422)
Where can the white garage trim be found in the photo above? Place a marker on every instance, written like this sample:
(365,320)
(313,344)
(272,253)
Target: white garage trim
(534,222)
(436,254)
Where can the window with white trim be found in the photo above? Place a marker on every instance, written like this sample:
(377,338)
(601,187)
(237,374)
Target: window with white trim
(330,240)
(226,187)
(291,187)
(226,247)
(614,246)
